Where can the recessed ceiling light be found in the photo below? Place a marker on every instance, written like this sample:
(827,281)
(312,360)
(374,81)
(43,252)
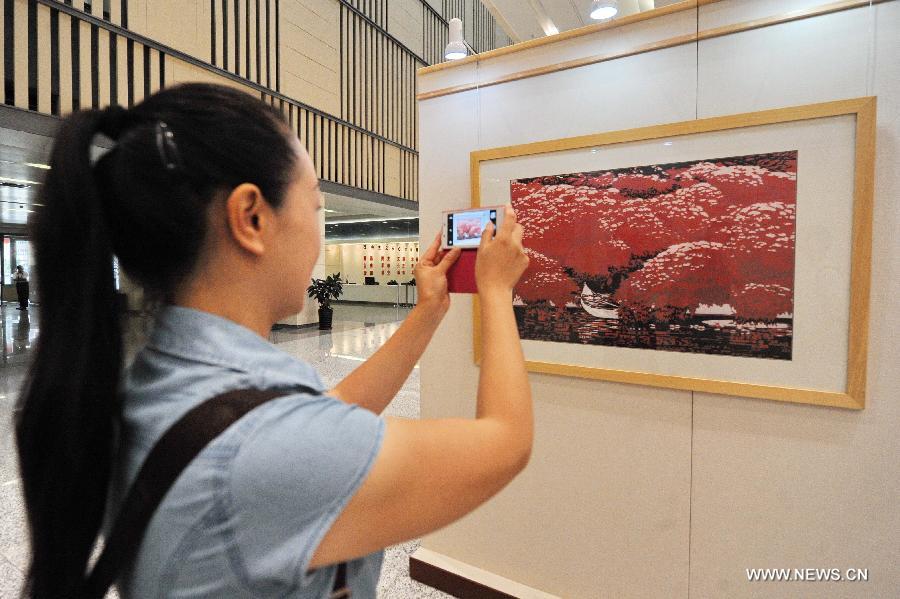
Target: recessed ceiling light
(369,220)
(19,181)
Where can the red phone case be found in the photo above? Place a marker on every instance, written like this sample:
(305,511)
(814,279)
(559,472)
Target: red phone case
(461,276)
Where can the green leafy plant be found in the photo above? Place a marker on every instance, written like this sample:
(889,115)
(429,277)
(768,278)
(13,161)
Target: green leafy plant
(325,290)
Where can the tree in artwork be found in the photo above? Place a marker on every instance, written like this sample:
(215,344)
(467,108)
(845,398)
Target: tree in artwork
(693,256)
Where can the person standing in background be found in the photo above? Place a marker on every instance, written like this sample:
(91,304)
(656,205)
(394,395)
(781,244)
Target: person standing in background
(21,279)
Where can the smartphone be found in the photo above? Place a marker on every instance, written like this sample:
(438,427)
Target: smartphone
(463,228)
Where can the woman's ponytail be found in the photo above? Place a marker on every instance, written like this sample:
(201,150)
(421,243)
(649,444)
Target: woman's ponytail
(65,418)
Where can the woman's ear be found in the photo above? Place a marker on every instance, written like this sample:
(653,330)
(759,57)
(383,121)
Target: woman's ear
(246,211)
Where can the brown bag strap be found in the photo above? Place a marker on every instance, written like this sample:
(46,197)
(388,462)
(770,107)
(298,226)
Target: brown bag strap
(166,461)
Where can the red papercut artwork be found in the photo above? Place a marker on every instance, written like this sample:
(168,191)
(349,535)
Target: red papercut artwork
(690,257)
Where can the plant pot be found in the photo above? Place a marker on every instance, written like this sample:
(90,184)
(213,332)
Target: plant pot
(325,317)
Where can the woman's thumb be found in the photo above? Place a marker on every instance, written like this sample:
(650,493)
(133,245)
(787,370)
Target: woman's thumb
(448,260)
(487,234)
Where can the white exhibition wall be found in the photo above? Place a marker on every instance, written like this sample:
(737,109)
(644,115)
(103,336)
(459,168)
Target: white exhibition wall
(310,313)
(383,260)
(644,492)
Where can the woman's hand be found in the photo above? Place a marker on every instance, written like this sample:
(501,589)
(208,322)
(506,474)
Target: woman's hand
(431,276)
(377,380)
(501,259)
(429,473)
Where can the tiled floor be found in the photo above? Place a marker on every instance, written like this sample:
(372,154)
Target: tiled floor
(358,332)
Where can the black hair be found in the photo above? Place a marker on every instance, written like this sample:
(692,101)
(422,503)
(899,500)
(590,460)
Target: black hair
(145,201)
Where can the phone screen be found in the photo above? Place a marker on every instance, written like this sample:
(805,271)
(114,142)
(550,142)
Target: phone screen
(464,228)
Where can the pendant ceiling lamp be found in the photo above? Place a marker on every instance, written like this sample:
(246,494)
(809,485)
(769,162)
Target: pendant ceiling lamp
(601,9)
(456,49)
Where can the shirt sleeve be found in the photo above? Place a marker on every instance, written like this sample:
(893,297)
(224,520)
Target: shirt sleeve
(293,476)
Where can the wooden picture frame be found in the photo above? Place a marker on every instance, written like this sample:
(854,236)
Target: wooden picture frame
(862,110)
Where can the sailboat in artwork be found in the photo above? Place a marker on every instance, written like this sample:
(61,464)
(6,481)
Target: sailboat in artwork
(598,305)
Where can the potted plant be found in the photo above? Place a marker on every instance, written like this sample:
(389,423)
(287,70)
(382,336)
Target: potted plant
(325,290)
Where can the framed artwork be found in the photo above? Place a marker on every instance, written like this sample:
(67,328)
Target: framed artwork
(726,255)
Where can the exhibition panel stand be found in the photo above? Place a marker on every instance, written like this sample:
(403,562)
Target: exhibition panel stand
(665,484)
(397,295)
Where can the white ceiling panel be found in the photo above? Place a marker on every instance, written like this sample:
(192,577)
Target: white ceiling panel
(339,207)
(520,16)
(20,183)
(529,18)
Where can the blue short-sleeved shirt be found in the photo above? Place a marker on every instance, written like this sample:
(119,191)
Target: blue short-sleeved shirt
(246,516)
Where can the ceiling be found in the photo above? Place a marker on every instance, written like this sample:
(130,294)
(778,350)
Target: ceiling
(406,229)
(529,19)
(19,182)
(342,208)
(353,219)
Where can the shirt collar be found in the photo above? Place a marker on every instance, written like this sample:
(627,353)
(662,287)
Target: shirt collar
(198,336)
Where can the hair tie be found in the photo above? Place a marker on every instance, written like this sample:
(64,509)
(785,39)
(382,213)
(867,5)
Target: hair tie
(168,149)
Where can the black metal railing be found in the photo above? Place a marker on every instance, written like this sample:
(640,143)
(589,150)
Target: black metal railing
(378,78)
(375,10)
(349,155)
(114,11)
(76,59)
(378,71)
(81,54)
(435,34)
(245,39)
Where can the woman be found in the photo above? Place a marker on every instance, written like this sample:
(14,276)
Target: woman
(211,203)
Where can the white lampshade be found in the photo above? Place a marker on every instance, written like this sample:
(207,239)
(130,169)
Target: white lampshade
(601,9)
(456,49)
